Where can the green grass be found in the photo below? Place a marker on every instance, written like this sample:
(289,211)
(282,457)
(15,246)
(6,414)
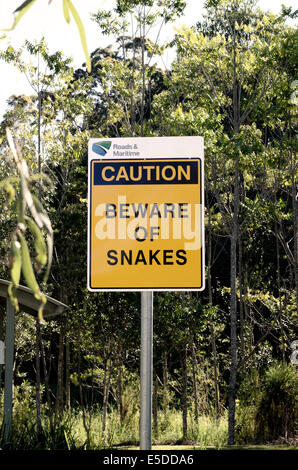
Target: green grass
(70,433)
(196,447)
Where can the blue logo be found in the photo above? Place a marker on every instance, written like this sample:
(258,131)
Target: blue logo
(101,147)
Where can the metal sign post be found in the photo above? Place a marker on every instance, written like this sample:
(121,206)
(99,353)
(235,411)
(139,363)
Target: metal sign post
(146,370)
(9,355)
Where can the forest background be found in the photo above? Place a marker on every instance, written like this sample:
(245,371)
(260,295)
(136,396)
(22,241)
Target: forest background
(222,357)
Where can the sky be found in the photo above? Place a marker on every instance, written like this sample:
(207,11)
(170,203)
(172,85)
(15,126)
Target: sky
(47,20)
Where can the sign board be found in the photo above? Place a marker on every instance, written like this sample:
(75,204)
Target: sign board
(145,214)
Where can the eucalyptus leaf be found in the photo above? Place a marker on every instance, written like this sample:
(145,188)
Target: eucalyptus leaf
(66,11)
(21,10)
(39,242)
(82,33)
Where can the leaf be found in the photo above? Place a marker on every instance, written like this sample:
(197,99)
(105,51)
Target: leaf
(27,268)
(29,275)
(21,10)
(39,243)
(24,5)
(50,256)
(9,180)
(15,272)
(20,208)
(42,216)
(47,224)
(10,192)
(66,11)
(82,33)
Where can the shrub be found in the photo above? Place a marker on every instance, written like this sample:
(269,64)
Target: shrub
(277,410)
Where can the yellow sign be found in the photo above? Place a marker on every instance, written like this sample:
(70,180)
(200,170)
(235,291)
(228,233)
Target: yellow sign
(145,215)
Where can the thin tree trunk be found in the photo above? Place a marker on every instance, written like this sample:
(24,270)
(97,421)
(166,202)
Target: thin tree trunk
(120,393)
(1,339)
(233,307)
(215,373)
(155,406)
(106,391)
(233,257)
(241,311)
(165,387)
(184,394)
(37,364)
(295,217)
(47,387)
(142,21)
(67,373)
(59,396)
(194,380)
(87,430)
(279,293)
(210,300)
(233,367)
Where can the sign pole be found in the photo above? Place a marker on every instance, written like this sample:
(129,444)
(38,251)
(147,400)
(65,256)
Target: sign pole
(9,353)
(146,370)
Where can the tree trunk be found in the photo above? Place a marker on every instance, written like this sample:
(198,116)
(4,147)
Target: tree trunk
(1,339)
(37,364)
(215,373)
(87,429)
(155,406)
(233,305)
(295,217)
(184,394)
(165,400)
(194,380)
(210,301)
(279,292)
(47,387)
(142,24)
(106,391)
(67,373)
(241,312)
(120,392)
(59,395)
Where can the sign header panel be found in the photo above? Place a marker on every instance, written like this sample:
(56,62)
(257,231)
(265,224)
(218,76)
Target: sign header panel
(145,215)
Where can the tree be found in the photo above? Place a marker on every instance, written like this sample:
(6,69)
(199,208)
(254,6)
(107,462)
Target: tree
(232,60)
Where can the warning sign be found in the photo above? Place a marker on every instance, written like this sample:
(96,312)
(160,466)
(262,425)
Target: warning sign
(145,216)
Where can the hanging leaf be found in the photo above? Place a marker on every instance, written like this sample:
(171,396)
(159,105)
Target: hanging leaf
(67,8)
(36,221)
(21,10)
(9,189)
(20,208)
(29,275)
(24,5)
(39,242)
(15,272)
(82,33)
(66,11)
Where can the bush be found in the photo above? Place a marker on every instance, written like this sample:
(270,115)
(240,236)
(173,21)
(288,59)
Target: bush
(267,408)
(277,410)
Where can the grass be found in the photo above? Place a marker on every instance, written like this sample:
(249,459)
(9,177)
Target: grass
(195,447)
(208,433)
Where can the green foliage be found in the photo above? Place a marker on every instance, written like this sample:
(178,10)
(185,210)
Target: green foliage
(167,9)
(267,408)
(68,8)
(26,203)
(277,410)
